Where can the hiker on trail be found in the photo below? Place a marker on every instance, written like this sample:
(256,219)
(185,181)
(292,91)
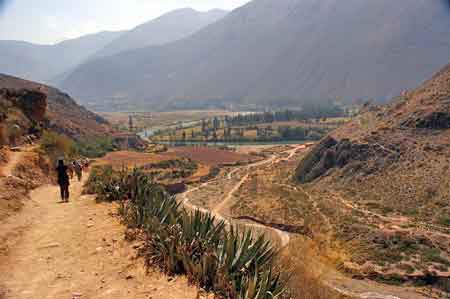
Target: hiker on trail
(78,169)
(63,180)
(14,135)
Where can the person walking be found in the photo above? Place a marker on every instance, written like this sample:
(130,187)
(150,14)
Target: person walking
(78,169)
(63,180)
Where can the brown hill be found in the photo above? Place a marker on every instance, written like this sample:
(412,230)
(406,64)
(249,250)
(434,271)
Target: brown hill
(64,114)
(384,180)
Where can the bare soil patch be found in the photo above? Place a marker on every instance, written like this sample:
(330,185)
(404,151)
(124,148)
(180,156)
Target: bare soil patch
(132,159)
(211,156)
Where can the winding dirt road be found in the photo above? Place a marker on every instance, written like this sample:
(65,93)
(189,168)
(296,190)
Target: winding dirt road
(282,237)
(343,285)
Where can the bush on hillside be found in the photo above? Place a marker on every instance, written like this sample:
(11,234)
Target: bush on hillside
(57,145)
(107,184)
(94,147)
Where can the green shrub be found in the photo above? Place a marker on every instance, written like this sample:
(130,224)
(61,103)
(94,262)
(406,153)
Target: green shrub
(444,220)
(107,184)
(94,147)
(57,145)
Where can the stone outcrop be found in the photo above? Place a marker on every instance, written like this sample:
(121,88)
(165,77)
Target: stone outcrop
(435,120)
(62,113)
(21,114)
(33,104)
(330,153)
(316,162)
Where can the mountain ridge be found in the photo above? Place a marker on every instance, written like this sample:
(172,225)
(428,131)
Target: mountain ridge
(43,62)
(277,53)
(169,27)
(53,63)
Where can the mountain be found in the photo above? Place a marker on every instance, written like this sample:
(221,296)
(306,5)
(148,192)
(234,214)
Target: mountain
(63,113)
(45,62)
(169,27)
(52,63)
(278,53)
(383,181)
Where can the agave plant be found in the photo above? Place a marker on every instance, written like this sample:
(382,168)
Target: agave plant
(262,285)
(231,263)
(241,258)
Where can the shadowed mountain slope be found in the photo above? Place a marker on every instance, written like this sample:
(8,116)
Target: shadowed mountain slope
(275,53)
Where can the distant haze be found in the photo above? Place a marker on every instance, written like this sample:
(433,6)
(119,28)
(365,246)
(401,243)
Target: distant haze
(51,21)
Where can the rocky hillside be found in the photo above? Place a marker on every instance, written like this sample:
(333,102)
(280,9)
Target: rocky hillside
(384,180)
(63,113)
(21,112)
(279,53)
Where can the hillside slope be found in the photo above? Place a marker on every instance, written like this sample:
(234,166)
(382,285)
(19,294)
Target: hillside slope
(384,180)
(167,28)
(44,62)
(279,53)
(64,114)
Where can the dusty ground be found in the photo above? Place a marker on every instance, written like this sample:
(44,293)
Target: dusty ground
(25,170)
(54,250)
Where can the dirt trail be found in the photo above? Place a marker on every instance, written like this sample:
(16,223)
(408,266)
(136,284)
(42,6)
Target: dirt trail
(61,249)
(397,221)
(219,208)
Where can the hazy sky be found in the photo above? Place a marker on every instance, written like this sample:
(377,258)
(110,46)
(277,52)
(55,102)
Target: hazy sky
(50,21)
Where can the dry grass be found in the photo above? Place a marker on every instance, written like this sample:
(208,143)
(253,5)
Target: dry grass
(302,258)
